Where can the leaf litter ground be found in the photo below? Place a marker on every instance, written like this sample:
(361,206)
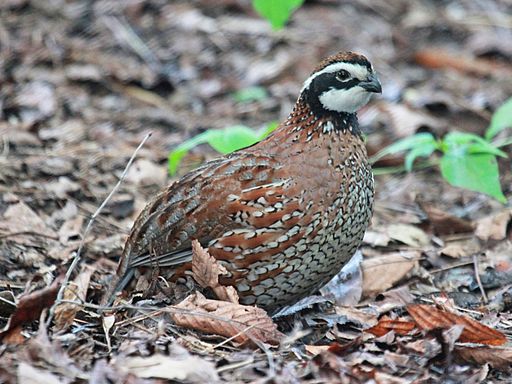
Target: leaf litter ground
(82,84)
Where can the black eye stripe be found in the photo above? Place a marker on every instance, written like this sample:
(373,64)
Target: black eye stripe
(327,81)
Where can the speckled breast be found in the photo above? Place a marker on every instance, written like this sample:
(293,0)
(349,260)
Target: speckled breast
(326,235)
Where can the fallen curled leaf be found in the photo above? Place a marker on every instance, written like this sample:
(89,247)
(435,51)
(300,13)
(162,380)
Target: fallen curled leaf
(428,317)
(206,270)
(498,358)
(29,308)
(382,272)
(385,325)
(493,227)
(444,223)
(243,323)
(65,313)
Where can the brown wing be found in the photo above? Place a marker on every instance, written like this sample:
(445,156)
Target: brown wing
(198,206)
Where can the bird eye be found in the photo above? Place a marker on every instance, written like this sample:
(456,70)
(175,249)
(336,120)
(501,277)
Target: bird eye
(342,75)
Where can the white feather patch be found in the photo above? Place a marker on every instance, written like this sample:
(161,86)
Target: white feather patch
(344,100)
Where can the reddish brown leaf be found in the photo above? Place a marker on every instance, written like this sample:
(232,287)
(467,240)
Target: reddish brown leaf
(29,308)
(385,325)
(343,349)
(435,58)
(206,271)
(13,336)
(244,323)
(428,317)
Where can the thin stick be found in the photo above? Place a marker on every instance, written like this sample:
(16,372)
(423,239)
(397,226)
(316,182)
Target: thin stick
(477,277)
(76,260)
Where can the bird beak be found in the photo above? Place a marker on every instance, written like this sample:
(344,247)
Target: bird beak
(372,84)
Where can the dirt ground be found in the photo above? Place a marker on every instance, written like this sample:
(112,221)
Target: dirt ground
(83,82)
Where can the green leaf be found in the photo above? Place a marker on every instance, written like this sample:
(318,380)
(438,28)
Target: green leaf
(469,143)
(424,151)
(501,119)
(232,138)
(477,172)
(411,142)
(181,150)
(268,129)
(224,141)
(249,94)
(277,12)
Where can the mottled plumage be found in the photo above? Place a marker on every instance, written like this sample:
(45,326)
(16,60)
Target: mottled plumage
(283,216)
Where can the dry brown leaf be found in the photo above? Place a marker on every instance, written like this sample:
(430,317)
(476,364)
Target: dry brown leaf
(444,223)
(405,121)
(191,369)
(28,309)
(243,323)
(316,349)
(394,298)
(493,227)
(428,317)
(408,234)
(146,172)
(376,239)
(498,358)
(385,325)
(28,374)
(206,270)
(462,248)
(382,272)
(14,220)
(362,318)
(435,58)
(76,291)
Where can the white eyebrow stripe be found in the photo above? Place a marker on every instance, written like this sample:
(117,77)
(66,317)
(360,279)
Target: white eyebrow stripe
(356,70)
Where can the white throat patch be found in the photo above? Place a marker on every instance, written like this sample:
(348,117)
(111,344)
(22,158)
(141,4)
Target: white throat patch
(344,100)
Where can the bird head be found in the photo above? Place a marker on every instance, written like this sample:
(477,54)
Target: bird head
(341,83)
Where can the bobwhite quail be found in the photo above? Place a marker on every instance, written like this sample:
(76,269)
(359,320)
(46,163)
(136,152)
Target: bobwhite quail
(284,215)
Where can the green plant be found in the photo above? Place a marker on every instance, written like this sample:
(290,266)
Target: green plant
(467,160)
(277,12)
(224,141)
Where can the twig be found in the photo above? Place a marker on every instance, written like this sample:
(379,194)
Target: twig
(233,337)
(478,281)
(77,257)
(452,266)
(125,34)
(27,233)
